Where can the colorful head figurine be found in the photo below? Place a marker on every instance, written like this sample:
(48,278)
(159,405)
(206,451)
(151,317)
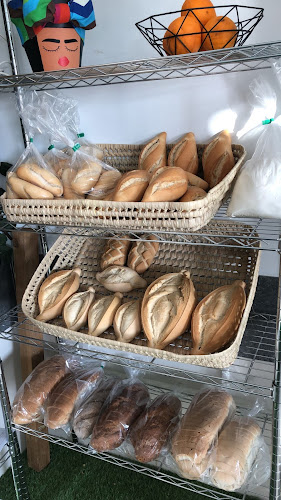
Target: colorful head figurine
(52,32)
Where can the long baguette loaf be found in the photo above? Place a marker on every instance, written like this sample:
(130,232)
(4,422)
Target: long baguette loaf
(184,154)
(115,253)
(153,155)
(143,253)
(41,177)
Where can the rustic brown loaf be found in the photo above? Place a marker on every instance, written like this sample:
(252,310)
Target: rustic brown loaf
(170,185)
(54,292)
(120,279)
(127,321)
(193,441)
(194,180)
(86,177)
(102,312)
(153,155)
(30,397)
(115,252)
(237,447)
(75,311)
(216,318)
(218,159)
(152,430)
(26,191)
(122,407)
(105,184)
(67,177)
(131,186)
(41,177)
(184,154)
(142,253)
(167,307)
(193,193)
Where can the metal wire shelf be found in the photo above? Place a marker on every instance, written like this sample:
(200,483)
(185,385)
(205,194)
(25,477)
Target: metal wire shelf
(197,64)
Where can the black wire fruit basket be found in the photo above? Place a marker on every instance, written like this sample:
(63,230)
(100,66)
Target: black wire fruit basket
(171,33)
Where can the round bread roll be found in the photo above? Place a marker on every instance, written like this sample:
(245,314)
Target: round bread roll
(30,172)
(27,191)
(86,177)
(184,154)
(170,185)
(131,186)
(193,193)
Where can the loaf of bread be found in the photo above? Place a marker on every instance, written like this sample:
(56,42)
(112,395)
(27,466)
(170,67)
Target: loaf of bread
(127,321)
(41,177)
(193,442)
(153,155)
(194,180)
(131,186)
(122,407)
(75,311)
(102,312)
(154,427)
(86,415)
(115,252)
(142,253)
(193,194)
(60,403)
(54,292)
(218,159)
(120,279)
(167,307)
(67,177)
(170,185)
(105,184)
(34,391)
(216,318)
(86,177)
(26,191)
(237,448)
(184,154)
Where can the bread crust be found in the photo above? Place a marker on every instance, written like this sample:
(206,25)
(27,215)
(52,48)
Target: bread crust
(102,312)
(115,252)
(41,177)
(127,321)
(143,253)
(218,159)
(170,185)
(26,191)
(194,180)
(131,186)
(75,311)
(193,193)
(120,279)
(67,177)
(86,177)
(184,154)
(105,185)
(153,154)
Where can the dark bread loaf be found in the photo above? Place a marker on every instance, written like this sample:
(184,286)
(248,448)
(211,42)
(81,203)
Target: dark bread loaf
(122,407)
(36,388)
(87,414)
(152,430)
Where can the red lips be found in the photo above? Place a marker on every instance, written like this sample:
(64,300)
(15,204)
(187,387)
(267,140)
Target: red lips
(63,61)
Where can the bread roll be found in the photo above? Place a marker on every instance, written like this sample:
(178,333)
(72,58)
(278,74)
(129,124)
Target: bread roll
(237,448)
(120,279)
(105,184)
(115,252)
(152,430)
(26,190)
(102,312)
(75,311)
(32,394)
(122,407)
(167,307)
(193,441)
(41,177)
(127,321)
(216,319)
(157,172)
(54,292)
(87,413)
(193,193)
(170,185)
(142,254)
(67,177)
(194,180)
(86,177)
(218,159)
(131,186)
(61,401)
(153,155)
(184,154)
(10,194)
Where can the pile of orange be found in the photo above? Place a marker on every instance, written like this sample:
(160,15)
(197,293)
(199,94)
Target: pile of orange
(199,29)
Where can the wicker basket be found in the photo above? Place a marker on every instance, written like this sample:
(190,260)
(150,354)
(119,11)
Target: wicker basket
(131,215)
(209,267)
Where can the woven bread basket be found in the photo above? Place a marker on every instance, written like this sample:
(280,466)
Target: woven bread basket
(209,268)
(190,216)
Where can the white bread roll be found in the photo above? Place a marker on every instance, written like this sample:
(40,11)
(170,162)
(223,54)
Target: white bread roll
(86,177)
(127,321)
(170,185)
(142,254)
(115,253)
(67,177)
(102,312)
(105,185)
(27,191)
(184,154)
(153,155)
(75,311)
(120,279)
(41,177)
(131,186)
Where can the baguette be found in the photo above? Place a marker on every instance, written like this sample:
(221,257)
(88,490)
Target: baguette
(26,191)
(54,292)
(193,442)
(115,253)
(86,177)
(67,177)
(170,185)
(105,184)
(102,312)
(218,159)
(131,186)
(167,307)
(216,319)
(153,155)
(193,193)
(41,177)
(194,180)
(143,253)
(120,279)
(75,311)
(184,154)
(127,321)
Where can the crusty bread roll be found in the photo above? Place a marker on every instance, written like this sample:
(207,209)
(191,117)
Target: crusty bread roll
(237,448)
(193,193)
(142,253)
(170,185)
(67,177)
(198,430)
(216,318)
(86,177)
(153,155)
(105,185)
(157,172)
(27,191)
(184,154)
(167,307)
(10,194)
(120,279)
(127,321)
(54,292)
(218,159)
(41,177)
(75,311)
(102,312)
(30,397)
(194,180)
(131,186)
(115,252)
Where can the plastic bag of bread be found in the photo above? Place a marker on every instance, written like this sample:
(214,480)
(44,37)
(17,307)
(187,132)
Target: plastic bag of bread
(257,191)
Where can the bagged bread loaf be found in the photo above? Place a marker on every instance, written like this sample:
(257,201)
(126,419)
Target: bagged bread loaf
(142,253)
(105,185)
(184,154)
(57,160)
(67,177)
(102,312)
(75,311)
(30,398)
(115,252)
(153,155)
(127,321)
(120,279)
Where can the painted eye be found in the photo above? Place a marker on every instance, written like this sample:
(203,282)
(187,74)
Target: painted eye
(71,48)
(49,47)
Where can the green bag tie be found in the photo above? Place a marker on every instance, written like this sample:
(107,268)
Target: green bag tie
(31,139)
(81,134)
(269,120)
(51,147)
(76,146)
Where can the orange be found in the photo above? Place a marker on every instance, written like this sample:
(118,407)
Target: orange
(223,34)
(202,14)
(188,39)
